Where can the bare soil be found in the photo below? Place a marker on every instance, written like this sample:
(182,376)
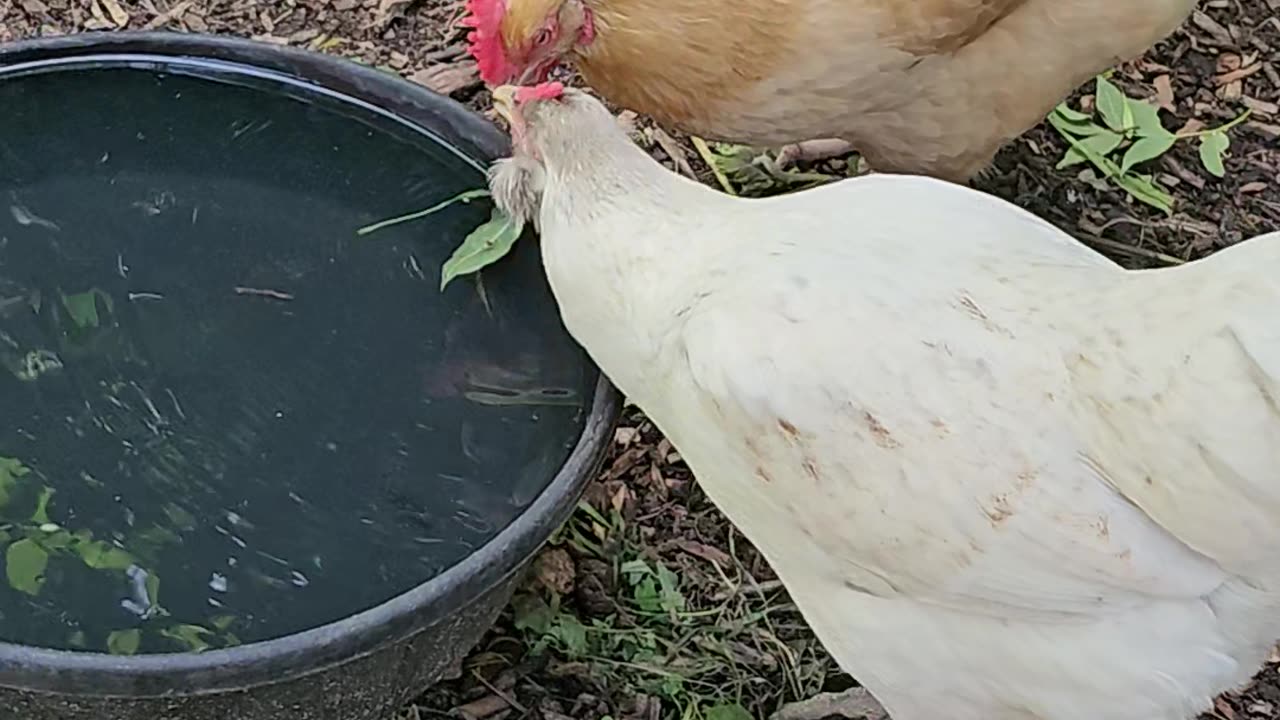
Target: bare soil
(648,604)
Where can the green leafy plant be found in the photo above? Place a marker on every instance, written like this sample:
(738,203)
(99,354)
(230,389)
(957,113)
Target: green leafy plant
(32,540)
(487,244)
(677,632)
(1130,134)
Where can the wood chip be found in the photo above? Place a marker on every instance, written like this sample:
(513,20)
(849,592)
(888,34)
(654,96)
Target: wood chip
(167,16)
(1219,33)
(1260,107)
(1164,93)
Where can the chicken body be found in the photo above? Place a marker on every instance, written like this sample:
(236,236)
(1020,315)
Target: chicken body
(1002,477)
(918,86)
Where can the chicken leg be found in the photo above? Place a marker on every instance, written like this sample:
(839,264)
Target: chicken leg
(853,703)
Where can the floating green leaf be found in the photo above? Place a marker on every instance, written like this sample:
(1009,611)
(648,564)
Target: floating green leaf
(192,637)
(180,518)
(152,583)
(10,470)
(41,514)
(124,642)
(24,565)
(1112,105)
(55,538)
(484,246)
(1212,147)
(1144,149)
(222,622)
(101,555)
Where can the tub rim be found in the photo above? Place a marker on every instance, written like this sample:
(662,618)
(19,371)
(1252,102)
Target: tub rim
(278,660)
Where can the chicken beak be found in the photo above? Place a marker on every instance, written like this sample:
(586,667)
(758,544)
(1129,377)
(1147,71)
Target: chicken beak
(504,102)
(528,76)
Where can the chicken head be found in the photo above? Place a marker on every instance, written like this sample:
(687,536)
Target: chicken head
(516,182)
(522,41)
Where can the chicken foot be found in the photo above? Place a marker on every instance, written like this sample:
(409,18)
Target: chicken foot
(813,151)
(852,703)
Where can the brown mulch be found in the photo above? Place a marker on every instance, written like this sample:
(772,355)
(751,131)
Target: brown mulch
(1222,62)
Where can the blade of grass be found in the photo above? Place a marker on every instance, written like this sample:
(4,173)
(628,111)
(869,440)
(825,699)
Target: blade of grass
(463,197)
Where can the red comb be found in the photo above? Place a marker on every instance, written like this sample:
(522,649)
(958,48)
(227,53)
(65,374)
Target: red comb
(542,91)
(484,42)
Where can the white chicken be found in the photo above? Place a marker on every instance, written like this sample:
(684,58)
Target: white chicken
(1002,477)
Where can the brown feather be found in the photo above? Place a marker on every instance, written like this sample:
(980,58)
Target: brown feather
(922,86)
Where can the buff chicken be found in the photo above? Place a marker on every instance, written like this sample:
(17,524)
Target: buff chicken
(1002,477)
(930,87)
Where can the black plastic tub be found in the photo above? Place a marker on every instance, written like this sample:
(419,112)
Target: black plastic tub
(367,665)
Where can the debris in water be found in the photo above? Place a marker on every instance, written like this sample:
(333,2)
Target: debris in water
(25,217)
(263,292)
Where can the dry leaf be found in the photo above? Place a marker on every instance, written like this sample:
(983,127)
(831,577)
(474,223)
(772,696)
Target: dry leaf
(620,498)
(554,570)
(446,78)
(119,17)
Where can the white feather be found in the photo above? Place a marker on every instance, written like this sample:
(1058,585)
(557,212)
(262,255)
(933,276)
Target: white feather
(1001,476)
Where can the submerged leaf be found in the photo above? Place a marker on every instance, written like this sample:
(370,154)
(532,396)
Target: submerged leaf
(124,642)
(24,565)
(101,555)
(10,470)
(41,514)
(192,637)
(485,245)
(83,309)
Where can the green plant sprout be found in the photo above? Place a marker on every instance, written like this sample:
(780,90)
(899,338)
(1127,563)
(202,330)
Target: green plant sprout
(668,636)
(487,244)
(1131,134)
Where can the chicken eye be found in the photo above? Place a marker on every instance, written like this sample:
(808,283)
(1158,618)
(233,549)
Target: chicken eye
(543,37)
